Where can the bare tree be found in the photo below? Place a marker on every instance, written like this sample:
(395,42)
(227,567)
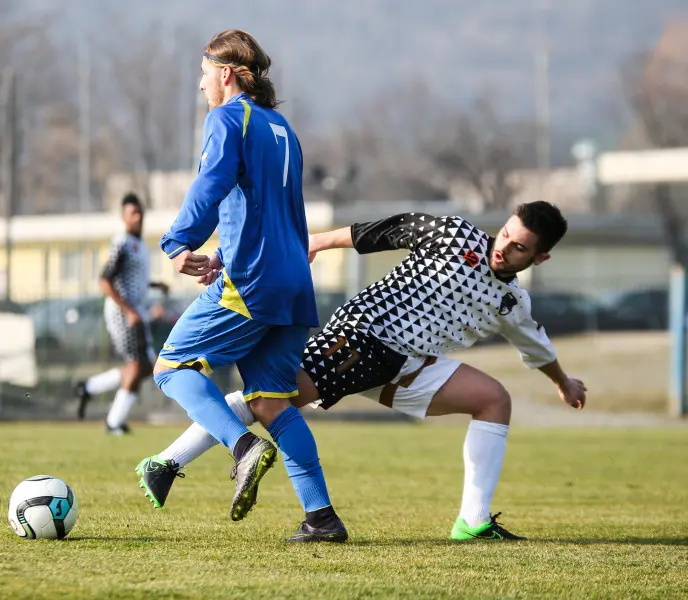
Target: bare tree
(377,152)
(48,138)
(478,146)
(656,86)
(151,102)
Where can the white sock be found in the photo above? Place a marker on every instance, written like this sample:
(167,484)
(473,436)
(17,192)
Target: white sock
(483,456)
(189,445)
(240,408)
(104,382)
(121,406)
(196,440)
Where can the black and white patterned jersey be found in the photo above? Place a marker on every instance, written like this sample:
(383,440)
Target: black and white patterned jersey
(128,268)
(443,296)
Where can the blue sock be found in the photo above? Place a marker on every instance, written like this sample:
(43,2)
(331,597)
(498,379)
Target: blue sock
(295,440)
(204,403)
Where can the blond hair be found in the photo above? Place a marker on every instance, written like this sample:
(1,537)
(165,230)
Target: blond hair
(249,62)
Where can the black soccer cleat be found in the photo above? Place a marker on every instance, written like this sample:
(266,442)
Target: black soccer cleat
(255,462)
(81,392)
(488,531)
(332,531)
(157,477)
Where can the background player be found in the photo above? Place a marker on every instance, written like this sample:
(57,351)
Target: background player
(457,286)
(259,312)
(125,280)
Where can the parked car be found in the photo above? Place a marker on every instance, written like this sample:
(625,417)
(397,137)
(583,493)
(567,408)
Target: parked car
(72,329)
(635,310)
(68,329)
(563,313)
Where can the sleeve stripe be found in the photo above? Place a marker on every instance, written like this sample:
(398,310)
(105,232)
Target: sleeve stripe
(177,251)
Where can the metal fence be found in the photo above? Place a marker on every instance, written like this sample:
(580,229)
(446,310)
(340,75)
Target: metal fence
(70,342)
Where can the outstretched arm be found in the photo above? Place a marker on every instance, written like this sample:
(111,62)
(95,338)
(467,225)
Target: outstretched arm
(537,352)
(571,391)
(403,231)
(339,238)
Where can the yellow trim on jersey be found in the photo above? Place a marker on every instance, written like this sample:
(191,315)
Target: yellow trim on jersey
(173,364)
(254,395)
(231,299)
(177,251)
(247,115)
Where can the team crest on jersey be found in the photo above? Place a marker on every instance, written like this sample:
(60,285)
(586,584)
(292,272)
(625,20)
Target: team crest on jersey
(471,258)
(508,303)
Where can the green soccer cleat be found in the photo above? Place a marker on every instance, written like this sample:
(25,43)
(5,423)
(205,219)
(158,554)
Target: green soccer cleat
(157,477)
(487,531)
(248,472)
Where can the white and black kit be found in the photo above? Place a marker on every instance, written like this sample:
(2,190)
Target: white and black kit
(389,342)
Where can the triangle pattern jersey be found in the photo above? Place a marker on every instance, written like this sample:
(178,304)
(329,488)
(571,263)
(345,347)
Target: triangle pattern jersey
(443,296)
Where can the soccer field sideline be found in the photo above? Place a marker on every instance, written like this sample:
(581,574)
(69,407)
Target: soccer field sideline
(605,511)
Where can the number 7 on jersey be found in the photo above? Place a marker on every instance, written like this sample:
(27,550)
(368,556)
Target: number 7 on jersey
(280,131)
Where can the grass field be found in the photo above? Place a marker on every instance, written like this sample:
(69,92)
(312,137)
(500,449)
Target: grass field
(605,511)
(624,371)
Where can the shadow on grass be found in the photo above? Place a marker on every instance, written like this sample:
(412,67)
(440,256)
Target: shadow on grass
(104,538)
(630,541)
(677,541)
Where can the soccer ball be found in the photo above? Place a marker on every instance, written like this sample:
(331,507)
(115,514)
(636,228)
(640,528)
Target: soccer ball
(42,507)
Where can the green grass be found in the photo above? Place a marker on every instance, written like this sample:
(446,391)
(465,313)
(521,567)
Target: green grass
(624,371)
(605,511)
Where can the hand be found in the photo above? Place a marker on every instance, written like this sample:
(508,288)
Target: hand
(192,264)
(133,318)
(215,273)
(209,278)
(214,262)
(572,391)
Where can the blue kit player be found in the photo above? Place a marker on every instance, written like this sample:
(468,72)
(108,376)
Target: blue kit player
(258,313)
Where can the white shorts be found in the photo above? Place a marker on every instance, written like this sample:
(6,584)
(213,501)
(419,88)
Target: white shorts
(345,362)
(413,389)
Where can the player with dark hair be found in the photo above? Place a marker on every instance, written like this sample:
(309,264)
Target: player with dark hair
(457,286)
(125,280)
(249,187)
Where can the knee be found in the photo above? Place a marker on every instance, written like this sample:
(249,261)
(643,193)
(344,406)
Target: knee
(267,410)
(498,398)
(159,368)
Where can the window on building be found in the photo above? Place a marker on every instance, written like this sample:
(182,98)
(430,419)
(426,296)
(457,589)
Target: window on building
(96,266)
(70,265)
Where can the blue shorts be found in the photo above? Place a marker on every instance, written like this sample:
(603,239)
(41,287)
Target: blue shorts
(208,336)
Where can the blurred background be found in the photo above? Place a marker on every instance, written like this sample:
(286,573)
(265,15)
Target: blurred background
(449,107)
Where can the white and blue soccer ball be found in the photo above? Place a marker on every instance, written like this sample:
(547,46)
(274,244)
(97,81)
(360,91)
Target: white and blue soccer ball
(42,507)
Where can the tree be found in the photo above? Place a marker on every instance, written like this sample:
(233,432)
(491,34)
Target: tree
(656,86)
(150,92)
(478,146)
(47,136)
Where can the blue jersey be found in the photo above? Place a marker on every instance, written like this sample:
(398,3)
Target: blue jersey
(249,187)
